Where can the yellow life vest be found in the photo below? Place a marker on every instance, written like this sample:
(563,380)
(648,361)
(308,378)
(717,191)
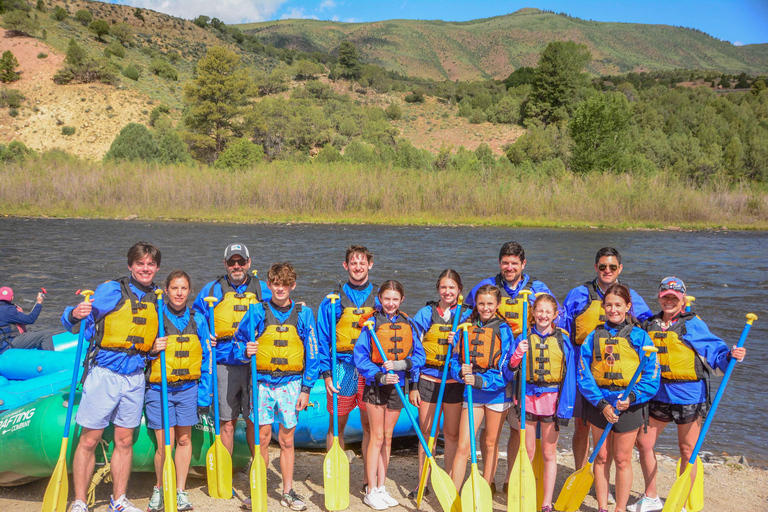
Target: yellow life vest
(281,351)
(435,340)
(233,306)
(678,361)
(131,327)
(396,338)
(546,359)
(484,345)
(625,358)
(590,317)
(348,327)
(183,354)
(512,309)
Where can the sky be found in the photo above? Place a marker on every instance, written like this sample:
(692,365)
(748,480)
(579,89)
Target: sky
(737,21)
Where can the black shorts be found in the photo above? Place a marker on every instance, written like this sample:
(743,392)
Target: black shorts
(382,395)
(631,419)
(681,414)
(453,394)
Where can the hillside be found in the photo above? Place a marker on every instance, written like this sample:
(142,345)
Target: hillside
(494,47)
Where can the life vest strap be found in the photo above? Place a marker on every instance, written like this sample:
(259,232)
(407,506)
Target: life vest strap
(511,314)
(665,368)
(542,359)
(663,349)
(180,371)
(135,339)
(439,357)
(239,307)
(358,311)
(396,338)
(395,350)
(281,328)
(239,296)
(442,341)
(445,328)
(182,353)
(235,325)
(138,320)
(279,360)
(611,341)
(613,375)
(182,339)
(541,372)
(660,335)
(280,343)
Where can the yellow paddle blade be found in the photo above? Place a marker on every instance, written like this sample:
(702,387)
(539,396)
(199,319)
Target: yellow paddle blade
(575,489)
(55,499)
(476,494)
(538,473)
(218,469)
(521,495)
(678,494)
(258,481)
(444,489)
(336,478)
(695,501)
(169,482)
(424,473)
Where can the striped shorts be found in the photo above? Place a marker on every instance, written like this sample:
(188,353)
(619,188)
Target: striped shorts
(349,389)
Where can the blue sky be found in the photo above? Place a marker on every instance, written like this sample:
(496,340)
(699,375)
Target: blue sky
(737,21)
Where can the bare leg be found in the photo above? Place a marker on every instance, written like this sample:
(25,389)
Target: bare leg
(426,415)
(329,436)
(494,422)
(451,423)
(120,465)
(464,445)
(645,443)
(549,453)
(580,443)
(601,482)
(265,436)
(513,445)
(390,418)
(622,454)
(84,461)
(183,455)
(375,442)
(285,436)
(366,440)
(159,457)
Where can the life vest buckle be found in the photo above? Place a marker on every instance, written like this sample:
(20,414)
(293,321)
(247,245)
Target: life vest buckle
(475,342)
(281,328)
(180,371)
(438,357)
(136,340)
(542,359)
(181,353)
(660,335)
(239,295)
(511,314)
(602,318)
(541,372)
(239,307)
(358,311)
(396,338)
(182,339)
(613,376)
(395,327)
(445,328)
(279,361)
(542,346)
(139,320)
(280,343)
(442,341)
(235,324)
(396,351)
(611,341)
(663,349)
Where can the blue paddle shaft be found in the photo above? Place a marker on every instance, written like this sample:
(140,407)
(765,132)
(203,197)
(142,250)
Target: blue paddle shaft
(214,374)
(524,366)
(623,396)
(164,383)
(334,374)
(73,384)
(254,376)
(470,403)
(402,397)
(718,396)
(436,417)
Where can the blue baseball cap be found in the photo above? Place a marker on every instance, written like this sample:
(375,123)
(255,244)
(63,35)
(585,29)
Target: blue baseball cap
(672,285)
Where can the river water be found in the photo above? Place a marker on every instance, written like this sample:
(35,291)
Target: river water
(726,271)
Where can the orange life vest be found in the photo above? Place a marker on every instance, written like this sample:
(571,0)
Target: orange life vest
(512,309)
(348,327)
(484,345)
(396,338)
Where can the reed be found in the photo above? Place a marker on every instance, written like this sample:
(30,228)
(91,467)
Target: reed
(348,193)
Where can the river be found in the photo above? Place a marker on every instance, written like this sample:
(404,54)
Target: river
(726,271)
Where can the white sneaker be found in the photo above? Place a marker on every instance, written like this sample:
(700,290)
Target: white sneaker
(375,500)
(122,504)
(386,497)
(646,504)
(79,506)
(611,499)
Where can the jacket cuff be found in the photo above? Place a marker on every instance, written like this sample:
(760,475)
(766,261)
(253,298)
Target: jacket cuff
(381,377)
(74,321)
(327,374)
(563,422)
(478,382)
(601,404)
(632,397)
(305,389)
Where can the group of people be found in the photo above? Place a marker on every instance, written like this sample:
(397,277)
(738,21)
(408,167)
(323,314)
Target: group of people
(580,357)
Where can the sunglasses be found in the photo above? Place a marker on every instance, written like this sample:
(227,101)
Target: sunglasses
(675,287)
(238,262)
(601,267)
(609,359)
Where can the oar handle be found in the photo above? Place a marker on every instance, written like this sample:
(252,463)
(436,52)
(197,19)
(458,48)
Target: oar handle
(163,382)
(334,364)
(443,380)
(689,302)
(214,374)
(78,353)
(414,423)
(524,362)
(254,370)
(751,317)
(647,351)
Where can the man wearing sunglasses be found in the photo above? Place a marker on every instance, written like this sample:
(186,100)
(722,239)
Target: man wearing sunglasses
(583,313)
(232,305)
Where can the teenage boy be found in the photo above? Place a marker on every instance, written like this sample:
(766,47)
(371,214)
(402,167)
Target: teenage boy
(583,313)
(232,373)
(356,298)
(121,322)
(288,364)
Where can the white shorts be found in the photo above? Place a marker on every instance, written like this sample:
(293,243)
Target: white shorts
(498,407)
(110,397)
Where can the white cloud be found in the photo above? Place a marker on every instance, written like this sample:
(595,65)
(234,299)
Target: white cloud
(228,11)
(738,43)
(327,4)
(335,17)
(297,13)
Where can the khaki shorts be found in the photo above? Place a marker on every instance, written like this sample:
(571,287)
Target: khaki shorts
(498,407)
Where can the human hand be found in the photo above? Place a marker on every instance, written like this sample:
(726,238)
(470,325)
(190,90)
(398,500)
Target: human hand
(609,414)
(82,310)
(622,405)
(738,353)
(329,386)
(40,297)
(469,380)
(466,370)
(251,348)
(302,402)
(160,344)
(392,378)
(213,340)
(389,366)
(415,397)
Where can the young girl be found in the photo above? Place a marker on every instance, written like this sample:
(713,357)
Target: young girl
(487,372)
(684,343)
(609,357)
(434,323)
(188,374)
(550,386)
(405,355)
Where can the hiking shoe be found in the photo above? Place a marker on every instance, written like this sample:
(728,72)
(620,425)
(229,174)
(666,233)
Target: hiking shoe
(547,508)
(364,489)
(122,504)
(375,500)
(182,500)
(646,504)
(386,497)
(611,499)
(415,493)
(156,501)
(79,506)
(293,501)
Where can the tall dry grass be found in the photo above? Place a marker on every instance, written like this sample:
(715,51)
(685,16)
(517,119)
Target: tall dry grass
(284,191)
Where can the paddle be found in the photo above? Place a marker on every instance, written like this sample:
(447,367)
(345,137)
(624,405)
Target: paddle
(436,417)
(218,467)
(580,481)
(695,501)
(55,498)
(169,469)
(538,468)
(521,493)
(258,473)
(336,465)
(678,494)
(476,493)
(441,482)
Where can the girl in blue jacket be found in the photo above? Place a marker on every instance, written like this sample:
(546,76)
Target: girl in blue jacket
(609,357)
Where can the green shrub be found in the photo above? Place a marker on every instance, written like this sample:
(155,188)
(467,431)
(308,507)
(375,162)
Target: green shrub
(13,112)
(157,112)
(8,65)
(477,116)
(173,150)
(42,55)
(67,130)
(10,98)
(84,17)
(240,154)
(163,69)
(134,142)
(131,72)
(116,49)
(393,111)
(415,97)
(329,154)
(360,152)
(16,152)
(41,6)
(100,28)
(59,13)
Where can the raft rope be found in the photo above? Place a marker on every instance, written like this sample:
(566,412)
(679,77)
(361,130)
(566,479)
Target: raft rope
(102,475)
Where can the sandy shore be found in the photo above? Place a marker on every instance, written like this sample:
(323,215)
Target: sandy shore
(728,487)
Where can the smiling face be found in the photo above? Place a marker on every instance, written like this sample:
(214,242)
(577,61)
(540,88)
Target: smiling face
(177,292)
(390,301)
(449,292)
(544,315)
(616,308)
(511,268)
(608,269)
(281,293)
(144,270)
(671,305)
(486,305)
(237,269)
(358,267)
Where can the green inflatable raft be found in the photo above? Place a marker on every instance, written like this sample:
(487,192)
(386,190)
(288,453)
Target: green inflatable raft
(30,440)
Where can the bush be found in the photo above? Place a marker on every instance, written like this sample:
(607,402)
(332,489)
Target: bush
(11,98)
(114,48)
(67,130)
(393,111)
(163,69)
(131,72)
(361,153)
(415,97)
(100,28)
(329,154)
(42,55)
(173,150)
(19,22)
(8,65)
(80,68)
(477,116)
(13,112)
(15,152)
(240,154)
(59,13)
(134,142)
(157,112)
(40,6)
(84,17)
(123,33)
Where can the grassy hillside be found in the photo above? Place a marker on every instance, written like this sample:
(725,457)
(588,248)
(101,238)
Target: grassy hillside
(494,47)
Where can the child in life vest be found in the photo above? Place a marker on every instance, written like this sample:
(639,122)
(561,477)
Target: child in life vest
(187,347)
(404,356)
(550,385)
(487,372)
